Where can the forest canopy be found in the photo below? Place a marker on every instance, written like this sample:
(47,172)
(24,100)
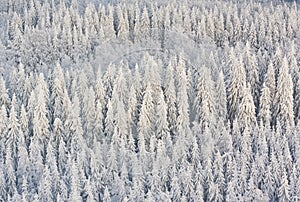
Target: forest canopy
(149,101)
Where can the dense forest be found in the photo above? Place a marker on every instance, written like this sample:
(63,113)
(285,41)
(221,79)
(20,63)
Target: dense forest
(148,101)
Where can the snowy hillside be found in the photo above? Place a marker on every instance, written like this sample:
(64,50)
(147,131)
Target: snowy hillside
(149,101)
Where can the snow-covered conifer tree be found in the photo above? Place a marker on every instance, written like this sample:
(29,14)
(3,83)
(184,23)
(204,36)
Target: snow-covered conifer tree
(13,132)
(162,127)
(237,84)
(89,191)
(221,100)
(10,175)
(284,96)
(183,121)
(44,190)
(204,100)
(106,195)
(246,110)
(122,23)
(108,23)
(40,121)
(36,163)
(284,188)
(170,95)
(75,186)
(265,106)
(4,99)
(146,118)
(145,24)
(22,170)
(251,68)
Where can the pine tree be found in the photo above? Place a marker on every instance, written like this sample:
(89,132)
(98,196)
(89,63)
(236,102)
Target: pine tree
(246,111)
(98,123)
(22,170)
(13,132)
(264,114)
(138,187)
(109,120)
(4,99)
(204,100)
(89,191)
(297,101)
(284,188)
(40,120)
(119,100)
(44,190)
(175,189)
(96,167)
(231,191)
(51,164)
(154,22)
(24,188)
(187,181)
(36,198)
(58,89)
(132,107)
(108,23)
(170,96)
(99,87)
(3,130)
(162,161)
(253,193)
(162,127)
(36,163)
(24,124)
(10,176)
(137,25)
(145,24)
(166,25)
(15,35)
(270,80)
(63,191)
(219,178)
(3,191)
(112,163)
(62,156)
(145,124)
(88,115)
(183,131)
(284,96)
(16,196)
(108,81)
(294,185)
(78,144)
(251,68)
(236,85)
(122,24)
(268,185)
(20,83)
(221,100)
(75,183)
(142,153)
(106,195)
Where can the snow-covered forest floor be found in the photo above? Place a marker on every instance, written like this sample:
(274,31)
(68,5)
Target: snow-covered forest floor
(149,101)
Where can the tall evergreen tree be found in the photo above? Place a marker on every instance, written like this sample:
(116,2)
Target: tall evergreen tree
(284,96)
(236,86)
(13,132)
(221,100)
(246,110)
